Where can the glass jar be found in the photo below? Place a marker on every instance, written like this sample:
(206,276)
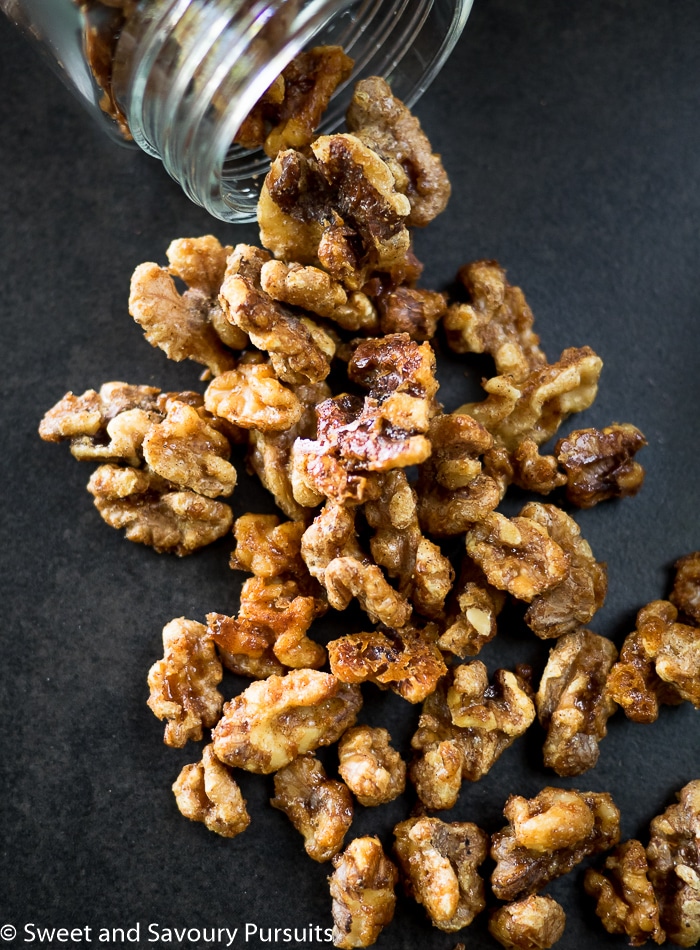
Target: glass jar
(180,76)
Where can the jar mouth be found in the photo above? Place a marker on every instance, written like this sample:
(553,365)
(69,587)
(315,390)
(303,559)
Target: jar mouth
(189,72)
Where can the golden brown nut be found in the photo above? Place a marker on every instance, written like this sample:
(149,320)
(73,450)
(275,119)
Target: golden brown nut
(319,808)
(252,397)
(205,791)
(599,463)
(474,605)
(674,866)
(153,513)
(362,887)
(348,577)
(659,664)
(440,861)
(549,835)
(497,321)
(464,727)
(373,771)
(331,535)
(407,660)
(275,720)
(268,547)
(410,310)
(183,684)
(517,555)
(625,900)
(686,586)
(573,704)
(533,923)
(535,472)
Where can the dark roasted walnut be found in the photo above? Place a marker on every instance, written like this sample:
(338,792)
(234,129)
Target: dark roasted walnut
(410,310)
(384,123)
(599,463)
(268,547)
(686,587)
(183,684)
(275,720)
(320,808)
(373,771)
(206,791)
(580,594)
(464,727)
(517,555)
(471,614)
(439,861)
(573,704)
(533,923)
(659,664)
(497,321)
(674,866)
(535,472)
(625,900)
(549,835)
(362,886)
(407,661)
(153,512)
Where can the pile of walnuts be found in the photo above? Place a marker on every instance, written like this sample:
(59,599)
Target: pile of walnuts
(319,351)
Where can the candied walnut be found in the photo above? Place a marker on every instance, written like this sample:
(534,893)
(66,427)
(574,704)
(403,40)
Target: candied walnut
(183,684)
(471,615)
(659,664)
(440,861)
(535,472)
(581,593)
(373,771)
(686,587)
(517,555)
(411,310)
(497,321)
(267,547)
(275,720)
(320,808)
(348,577)
(252,397)
(573,704)
(205,791)
(464,727)
(383,122)
(180,325)
(674,866)
(454,490)
(408,661)
(535,406)
(625,900)
(254,128)
(187,451)
(244,646)
(533,923)
(599,463)
(153,513)
(548,836)
(200,262)
(331,535)
(395,364)
(362,887)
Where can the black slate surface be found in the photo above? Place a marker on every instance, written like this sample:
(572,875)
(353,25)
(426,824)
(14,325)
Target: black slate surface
(571,133)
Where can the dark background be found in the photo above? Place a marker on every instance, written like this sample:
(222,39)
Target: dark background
(571,132)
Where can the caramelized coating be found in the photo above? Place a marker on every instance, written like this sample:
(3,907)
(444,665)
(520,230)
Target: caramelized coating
(408,661)
(625,900)
(348,577)
(659,664)
(533,923)
(268,547)
(383,123)
(674,866)
(454,491)
(153,513)
(535,472)
(517,555)
(199,262)
(183,684)
(373,771)
(186,451)
(535,406)
(275,720)
(439,861)
(548,836)
(205,791)
(320,808)
(599,463)
(252,397)
(497,321)
(464,727)
(362,886)
(686,587)
(580,594)
(573,704)
(331,535)
(411,310)
(471,614)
